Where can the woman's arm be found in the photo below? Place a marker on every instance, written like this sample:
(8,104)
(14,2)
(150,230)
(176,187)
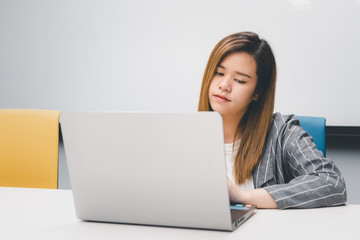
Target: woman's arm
(310,179)
(300,176)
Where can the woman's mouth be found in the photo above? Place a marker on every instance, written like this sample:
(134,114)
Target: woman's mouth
(221,98)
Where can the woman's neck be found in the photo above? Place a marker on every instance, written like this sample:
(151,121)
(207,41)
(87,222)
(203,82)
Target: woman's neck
(230,126)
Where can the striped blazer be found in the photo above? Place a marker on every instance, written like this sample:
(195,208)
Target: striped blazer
(294,172)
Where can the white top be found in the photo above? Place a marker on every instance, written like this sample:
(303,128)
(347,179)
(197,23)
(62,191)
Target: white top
(229,157)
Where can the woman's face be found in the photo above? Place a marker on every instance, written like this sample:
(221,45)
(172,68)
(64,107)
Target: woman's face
(233,86)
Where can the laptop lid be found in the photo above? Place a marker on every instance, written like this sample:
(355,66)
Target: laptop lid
(163,169)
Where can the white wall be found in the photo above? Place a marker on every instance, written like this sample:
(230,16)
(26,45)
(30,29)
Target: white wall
(150,55)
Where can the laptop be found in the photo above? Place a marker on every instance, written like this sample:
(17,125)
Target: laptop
(163,169)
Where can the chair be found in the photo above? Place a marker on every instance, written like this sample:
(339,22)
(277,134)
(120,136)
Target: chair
(29,141)
(315,126)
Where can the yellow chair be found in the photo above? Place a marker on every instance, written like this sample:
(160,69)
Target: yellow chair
(29,146)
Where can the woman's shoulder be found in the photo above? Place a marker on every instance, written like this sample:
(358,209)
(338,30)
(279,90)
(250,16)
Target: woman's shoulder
(281,123)
(281,119)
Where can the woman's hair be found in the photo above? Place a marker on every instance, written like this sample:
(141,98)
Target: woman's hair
(256,122)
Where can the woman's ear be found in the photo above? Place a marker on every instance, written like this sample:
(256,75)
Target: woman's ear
(257,94)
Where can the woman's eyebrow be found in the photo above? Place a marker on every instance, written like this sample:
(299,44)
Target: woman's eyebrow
(237,72)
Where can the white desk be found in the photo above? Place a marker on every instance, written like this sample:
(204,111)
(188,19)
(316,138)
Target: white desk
(50,214)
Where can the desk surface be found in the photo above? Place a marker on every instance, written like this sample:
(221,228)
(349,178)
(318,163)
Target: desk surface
(50,214)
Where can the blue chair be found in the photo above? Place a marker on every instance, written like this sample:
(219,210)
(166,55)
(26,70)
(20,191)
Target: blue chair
(315,126)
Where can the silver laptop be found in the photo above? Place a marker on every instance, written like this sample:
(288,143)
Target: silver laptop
(165,169)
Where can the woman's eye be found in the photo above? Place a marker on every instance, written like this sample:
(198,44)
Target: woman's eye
(239,81)
(219,73)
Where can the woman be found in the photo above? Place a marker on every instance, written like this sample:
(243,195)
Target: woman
(272,162)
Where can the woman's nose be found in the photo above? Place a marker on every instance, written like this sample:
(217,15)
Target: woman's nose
(225,84)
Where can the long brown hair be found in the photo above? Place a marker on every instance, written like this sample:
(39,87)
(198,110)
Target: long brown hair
(256,122)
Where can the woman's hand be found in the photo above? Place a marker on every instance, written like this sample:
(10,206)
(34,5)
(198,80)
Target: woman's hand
(236,195)
(259,197)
